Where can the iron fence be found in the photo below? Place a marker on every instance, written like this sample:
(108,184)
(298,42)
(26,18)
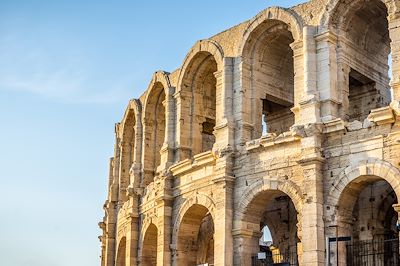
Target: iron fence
(281,259)
(373,253)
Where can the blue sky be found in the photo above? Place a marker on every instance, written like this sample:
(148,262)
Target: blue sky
(67,71)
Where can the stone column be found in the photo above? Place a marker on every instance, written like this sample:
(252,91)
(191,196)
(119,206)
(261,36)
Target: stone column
(342,226)
(397,209)
(309,101)
(111,208)
(223,183)
(312,223)
(298,65)
(343,84)
(394,32)
(164,213)
(125,165)
(102,239)
(167,150)
(246,244)
(224,129)
(243,107)
(111,231)
(327,75)
(132,239)
(183,101)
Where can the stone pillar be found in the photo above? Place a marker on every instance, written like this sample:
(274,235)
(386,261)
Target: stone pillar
(111,232)
(397,209)
(313,239)
(132,239)
(243,107)
(327,75)
(309,101)
(111,207)
(298,65)
(164,212)
(223,183)
(224,128)
(394,32)
(125,165)
(342,226)
(183,101)
(343,84)
(167,150)
(246,244)
(102,239)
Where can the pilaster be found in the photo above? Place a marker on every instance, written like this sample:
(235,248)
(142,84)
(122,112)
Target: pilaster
(164,212)
(327,75)
(312,224)
(223,183)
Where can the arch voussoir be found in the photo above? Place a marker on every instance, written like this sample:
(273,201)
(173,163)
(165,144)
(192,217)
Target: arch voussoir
(374,167)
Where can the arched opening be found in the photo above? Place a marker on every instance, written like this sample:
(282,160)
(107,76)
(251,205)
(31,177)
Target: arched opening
(200,83)
(149,247)
(269,74)
(363,51)
(121,252)
(195,244)
(365,215)
(271,218)
(154,131)
(127,152)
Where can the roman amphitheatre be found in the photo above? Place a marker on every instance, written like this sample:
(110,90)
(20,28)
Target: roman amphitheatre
(288,123)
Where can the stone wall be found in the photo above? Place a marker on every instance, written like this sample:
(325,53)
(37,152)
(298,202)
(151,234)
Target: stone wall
(287,120)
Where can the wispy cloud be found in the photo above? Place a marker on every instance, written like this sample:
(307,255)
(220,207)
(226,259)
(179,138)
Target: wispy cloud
(67,77)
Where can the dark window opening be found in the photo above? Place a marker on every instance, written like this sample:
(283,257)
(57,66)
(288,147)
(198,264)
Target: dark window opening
(277,116)
(207,134)
(363,96)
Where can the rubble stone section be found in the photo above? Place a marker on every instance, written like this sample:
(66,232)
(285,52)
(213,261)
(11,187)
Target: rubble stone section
(290,121)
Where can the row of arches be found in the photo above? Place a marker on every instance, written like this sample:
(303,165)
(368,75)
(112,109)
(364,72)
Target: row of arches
(272,82)
(276,206)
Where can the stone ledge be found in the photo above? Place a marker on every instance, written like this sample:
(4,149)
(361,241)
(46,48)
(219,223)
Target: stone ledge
(382,116)
(191,164)
(271,139)
(335,125)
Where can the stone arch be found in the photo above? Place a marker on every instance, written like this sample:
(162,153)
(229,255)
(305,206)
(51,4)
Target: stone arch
(130,131)
(370,167)
(269,66)
(131,119)
(328,16)
(276,203)
(121,252)
(193,232)
(361,31)
(196,97)
(198,199)
(149,243)
(146,222)
(203,46)
(286,186)
(284,15)
(154,124)
(159,77)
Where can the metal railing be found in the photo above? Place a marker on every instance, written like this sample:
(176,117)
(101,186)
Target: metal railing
(281,259)
(373,253)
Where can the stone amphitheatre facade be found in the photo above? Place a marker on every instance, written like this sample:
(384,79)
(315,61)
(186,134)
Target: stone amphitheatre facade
(289,120)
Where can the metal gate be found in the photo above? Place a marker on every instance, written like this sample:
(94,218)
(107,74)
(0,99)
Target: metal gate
(373,253)
(282,259)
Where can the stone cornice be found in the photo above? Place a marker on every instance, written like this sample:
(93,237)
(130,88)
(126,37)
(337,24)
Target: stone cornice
(334,125)
(271,140)
(382,116)
(188,165)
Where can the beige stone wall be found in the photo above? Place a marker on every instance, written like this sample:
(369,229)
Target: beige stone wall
(195,177)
